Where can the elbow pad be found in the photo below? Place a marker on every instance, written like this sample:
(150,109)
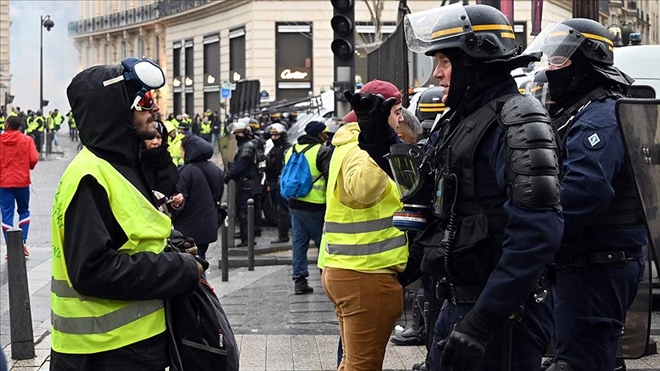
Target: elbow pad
(532,154)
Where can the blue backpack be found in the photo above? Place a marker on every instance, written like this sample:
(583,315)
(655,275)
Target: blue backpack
(296,180)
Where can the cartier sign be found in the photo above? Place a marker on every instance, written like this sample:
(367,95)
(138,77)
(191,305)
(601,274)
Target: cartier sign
(294,74)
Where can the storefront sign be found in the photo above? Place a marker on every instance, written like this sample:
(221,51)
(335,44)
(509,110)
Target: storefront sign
(294,74)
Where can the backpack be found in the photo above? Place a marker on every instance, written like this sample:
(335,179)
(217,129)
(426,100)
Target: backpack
(260,157)
(296,179)
(202,339)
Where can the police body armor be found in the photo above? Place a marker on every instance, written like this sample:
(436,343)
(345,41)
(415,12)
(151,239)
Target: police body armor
(466,245)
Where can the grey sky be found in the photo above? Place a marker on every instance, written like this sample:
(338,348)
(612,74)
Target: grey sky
(60,55)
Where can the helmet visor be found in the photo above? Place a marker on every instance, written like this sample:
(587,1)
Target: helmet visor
(405,160)
(557,43)
(425,29)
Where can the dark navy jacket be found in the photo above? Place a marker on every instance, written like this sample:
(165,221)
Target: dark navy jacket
(596,156)
(531,237)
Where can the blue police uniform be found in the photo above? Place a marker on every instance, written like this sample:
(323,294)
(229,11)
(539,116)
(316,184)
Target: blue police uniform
(526,250)
(591,300)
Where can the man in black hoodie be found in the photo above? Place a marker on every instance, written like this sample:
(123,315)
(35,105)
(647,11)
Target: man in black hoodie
(110,272)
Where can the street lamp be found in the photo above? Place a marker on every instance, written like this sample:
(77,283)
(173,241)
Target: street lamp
(46,23)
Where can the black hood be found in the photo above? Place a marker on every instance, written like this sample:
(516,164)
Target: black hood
(197,149)
(103,114)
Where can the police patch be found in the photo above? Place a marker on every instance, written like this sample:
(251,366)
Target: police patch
(593,141)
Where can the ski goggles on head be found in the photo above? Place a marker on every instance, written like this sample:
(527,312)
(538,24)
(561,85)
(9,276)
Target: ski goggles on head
(144,103)
(144,72)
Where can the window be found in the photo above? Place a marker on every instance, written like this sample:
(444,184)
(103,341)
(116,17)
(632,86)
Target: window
(189,73)
(190,104)
(237,54)
(211,60)
(176,60)
(212,101)
(293,60)
(176,106)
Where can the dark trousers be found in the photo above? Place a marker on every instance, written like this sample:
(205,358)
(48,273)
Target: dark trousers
(241,205)
(589,307)
(531,337)
(283,215)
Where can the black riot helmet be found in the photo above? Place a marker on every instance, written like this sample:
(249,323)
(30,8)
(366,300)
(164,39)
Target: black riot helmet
(480,31)
(595,44)
(429,106)
(478,40)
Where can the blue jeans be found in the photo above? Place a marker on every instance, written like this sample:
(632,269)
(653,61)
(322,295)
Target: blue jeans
(305,225)
(9,199)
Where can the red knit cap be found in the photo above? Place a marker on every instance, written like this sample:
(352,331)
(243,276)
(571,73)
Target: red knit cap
(384,88)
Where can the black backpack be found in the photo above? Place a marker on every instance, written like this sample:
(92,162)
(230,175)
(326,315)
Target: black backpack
(201,337)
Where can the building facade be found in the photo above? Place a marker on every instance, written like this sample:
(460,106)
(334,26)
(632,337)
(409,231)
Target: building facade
(5,67)
(285,44)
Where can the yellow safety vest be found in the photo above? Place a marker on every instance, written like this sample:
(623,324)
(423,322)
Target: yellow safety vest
(317,194)
(175,149)
(361,239)
(82,324)
(2,122)
(50,122)
(205,127)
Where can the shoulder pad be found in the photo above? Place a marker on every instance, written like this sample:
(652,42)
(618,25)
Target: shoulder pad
(520,109)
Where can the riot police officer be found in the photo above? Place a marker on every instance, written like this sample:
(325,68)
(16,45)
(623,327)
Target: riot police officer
(600,262)
(274,165)
(429,107)
(495,220)
(248,178)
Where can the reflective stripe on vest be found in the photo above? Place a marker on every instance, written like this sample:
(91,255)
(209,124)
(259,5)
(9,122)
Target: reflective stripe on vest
(84,324)
(364,233)
(317,194)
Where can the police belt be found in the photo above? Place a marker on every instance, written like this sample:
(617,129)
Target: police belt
(458,294)
(607,259)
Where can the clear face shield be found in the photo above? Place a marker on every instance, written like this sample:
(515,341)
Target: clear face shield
(556,43)
(424,30)
(538,88)
(405,161)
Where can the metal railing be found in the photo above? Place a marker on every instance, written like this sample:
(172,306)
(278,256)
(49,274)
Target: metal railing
(147,13)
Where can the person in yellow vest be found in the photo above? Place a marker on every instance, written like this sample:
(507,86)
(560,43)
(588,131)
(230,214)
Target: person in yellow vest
(73,128)
(110,270)
(363,252)
(307,212)
(176,137)
(206,126)
(35,129)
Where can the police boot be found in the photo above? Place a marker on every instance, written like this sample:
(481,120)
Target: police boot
(414,335)
(620,365)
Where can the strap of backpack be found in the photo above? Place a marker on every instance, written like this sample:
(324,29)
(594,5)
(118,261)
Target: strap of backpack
(309,146)
(208,180)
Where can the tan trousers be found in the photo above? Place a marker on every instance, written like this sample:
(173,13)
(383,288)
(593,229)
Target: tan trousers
(368,305)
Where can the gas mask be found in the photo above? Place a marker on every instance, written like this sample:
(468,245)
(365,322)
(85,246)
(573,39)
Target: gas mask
(406,163)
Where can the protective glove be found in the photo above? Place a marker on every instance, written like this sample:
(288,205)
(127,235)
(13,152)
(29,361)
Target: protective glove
(226,179)
(466,344)
(373,112)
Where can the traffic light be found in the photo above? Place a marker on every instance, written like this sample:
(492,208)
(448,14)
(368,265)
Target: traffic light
(343,25)
(343,48)
(8,98)
(44,103)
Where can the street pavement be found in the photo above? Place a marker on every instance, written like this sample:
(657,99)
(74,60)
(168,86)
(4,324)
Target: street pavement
(275,329)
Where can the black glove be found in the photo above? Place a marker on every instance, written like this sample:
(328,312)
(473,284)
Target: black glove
(203,262)
(179,242)
(373,112)
(465,346)
(226,179)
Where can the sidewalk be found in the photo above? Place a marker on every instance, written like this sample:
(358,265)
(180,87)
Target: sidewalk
(276,329)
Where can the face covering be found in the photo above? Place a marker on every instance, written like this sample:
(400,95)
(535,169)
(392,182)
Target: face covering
(570,83)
